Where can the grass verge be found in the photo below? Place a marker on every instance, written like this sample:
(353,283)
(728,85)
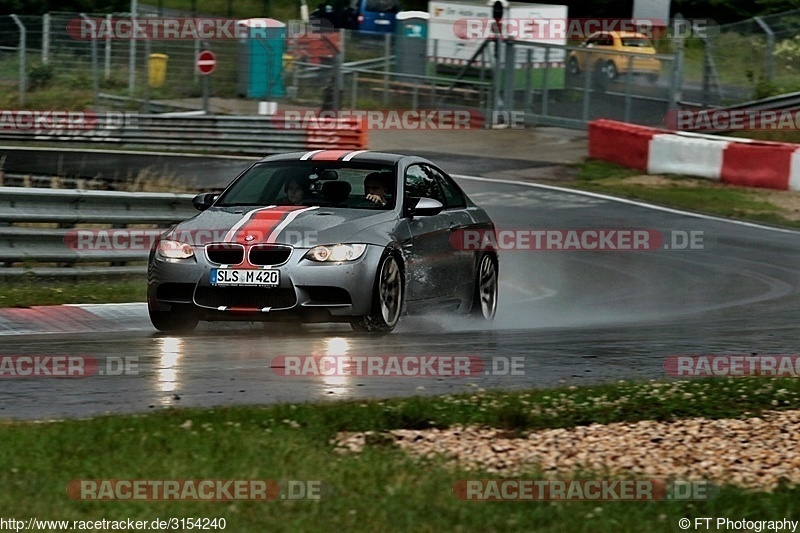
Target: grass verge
(693,194)
(28,291)
(381,488)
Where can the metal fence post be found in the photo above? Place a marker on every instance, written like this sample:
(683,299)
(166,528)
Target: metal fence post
(387,51)
(770,58)
(509,72)
(338,79)
(528,80)
(496,95)
(676,83)
(588,72)
(45,38)
(22,50)
(628,89)
(107,65)
(546,81)
(132,53)
(95,66)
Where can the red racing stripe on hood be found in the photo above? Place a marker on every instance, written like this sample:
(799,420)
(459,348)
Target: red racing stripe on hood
(259,224)
(330,155)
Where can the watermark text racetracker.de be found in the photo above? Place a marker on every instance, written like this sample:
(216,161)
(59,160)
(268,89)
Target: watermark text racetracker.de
(139,239)
(732,120)
(209,490)
(626,240)
(413,119)
(192,29)
(396,366)
(56,121)
(732,365)
(66,366)
(583,490)
(559,30)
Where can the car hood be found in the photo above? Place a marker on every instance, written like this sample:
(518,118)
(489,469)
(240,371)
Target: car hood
(298,226)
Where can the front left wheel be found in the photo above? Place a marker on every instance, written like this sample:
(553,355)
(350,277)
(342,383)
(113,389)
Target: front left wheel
(177,320)
(611,71)
(387,298)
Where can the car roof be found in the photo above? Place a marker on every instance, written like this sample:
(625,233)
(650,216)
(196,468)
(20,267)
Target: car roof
(360,156)
(619,34)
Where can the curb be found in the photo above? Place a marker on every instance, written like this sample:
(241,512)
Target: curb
(74,318)
(741,162)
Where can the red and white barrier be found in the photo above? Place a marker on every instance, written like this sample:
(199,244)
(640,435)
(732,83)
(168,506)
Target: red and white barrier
(741,162)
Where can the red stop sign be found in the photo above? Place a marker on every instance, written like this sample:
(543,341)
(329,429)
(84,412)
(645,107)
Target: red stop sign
(206,62)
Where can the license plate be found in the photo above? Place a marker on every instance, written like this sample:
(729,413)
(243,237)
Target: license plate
(383,22)
(232,276)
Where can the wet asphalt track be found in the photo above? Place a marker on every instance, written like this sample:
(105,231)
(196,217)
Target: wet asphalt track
(574,317)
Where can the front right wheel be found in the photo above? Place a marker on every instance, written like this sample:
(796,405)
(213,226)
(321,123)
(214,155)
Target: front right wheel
(484,302)
(387,298)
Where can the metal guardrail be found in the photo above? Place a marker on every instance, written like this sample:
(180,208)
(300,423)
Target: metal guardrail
(217,133)
(26,247)
(782,102)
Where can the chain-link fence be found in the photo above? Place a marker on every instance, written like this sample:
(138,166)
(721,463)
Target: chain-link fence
(547,83)
(747,60)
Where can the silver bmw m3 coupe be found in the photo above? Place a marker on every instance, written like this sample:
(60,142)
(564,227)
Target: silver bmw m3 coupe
(325,236)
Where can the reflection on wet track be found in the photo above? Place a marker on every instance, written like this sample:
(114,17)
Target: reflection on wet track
(569,316)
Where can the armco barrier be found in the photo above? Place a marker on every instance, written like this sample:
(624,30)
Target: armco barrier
(25,249)
(740,162)
(209,133)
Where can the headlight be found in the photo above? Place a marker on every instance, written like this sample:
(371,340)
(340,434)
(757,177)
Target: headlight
(336,252)
(174,250)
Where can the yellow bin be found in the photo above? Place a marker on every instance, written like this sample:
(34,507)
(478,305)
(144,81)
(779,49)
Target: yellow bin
(157,69)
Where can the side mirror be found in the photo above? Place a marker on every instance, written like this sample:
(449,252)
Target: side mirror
(203,201)
(426,207)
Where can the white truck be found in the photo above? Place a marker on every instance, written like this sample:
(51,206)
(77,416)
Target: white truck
(457,29)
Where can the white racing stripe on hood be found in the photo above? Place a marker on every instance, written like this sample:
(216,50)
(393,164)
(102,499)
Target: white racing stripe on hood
(309,155)
(245,218)
(351,155)
(285,222)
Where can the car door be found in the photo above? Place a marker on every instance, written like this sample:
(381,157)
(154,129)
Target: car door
(458,220)
(431,269)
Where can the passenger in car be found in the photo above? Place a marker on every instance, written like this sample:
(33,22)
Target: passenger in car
(296,190)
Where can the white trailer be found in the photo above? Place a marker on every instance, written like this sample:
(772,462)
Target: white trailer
(457,29)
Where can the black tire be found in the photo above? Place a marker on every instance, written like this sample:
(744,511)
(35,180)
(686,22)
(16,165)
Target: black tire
(573,69)
(484,300)
(611,71)
(652,78)
(387,298)
(175,321)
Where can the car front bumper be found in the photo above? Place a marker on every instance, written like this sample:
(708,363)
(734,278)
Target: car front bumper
(307,290)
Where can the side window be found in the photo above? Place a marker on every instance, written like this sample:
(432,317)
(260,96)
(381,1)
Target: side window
(420,183)
(453,196)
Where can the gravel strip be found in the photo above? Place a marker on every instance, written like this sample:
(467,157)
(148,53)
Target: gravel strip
(754,453)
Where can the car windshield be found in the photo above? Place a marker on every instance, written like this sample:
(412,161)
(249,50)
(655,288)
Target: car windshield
(382,6)
(636,42)
(310,183)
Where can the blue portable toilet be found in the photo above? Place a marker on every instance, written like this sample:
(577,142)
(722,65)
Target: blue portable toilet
(261,49)
(412,42)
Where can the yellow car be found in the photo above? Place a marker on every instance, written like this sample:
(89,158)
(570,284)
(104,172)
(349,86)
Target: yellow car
(605,52)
